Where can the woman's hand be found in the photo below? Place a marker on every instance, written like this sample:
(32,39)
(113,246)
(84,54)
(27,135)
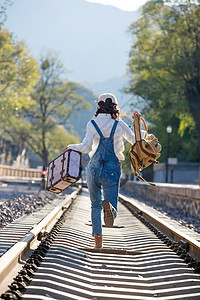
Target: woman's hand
(64,150)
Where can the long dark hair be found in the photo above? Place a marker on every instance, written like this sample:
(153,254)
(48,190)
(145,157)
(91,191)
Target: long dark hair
(108,107)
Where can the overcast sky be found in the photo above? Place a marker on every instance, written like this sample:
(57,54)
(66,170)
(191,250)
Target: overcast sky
(129,5)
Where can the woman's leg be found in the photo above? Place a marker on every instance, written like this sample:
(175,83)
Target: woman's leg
(110,185)
(94,188)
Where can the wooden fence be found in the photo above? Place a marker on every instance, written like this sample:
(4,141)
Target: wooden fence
(17,172)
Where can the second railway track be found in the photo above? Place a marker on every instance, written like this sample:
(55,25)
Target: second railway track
(134,263)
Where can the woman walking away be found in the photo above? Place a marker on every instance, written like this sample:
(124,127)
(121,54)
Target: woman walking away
(104,139)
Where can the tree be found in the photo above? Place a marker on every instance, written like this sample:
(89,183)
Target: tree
(18,76)
(54,101)
(165,66)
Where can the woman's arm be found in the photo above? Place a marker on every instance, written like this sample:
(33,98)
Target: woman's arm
(86,144)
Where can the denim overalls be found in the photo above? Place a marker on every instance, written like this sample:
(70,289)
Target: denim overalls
(104,171)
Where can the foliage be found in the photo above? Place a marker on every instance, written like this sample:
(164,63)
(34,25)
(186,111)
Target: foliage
(35,102)
(24,134)
(80,118)
(126,166)
(164,66)
(55,100)
(58,139)
(18,75)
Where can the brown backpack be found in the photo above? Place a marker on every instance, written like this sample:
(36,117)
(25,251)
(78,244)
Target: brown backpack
(145,151)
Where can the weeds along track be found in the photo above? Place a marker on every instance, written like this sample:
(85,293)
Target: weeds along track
(137,261)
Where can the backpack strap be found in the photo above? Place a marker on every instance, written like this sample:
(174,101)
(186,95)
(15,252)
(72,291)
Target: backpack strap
(136,161)
(141,178)
(137,125)
(113,129)
(135,167)
(97,128)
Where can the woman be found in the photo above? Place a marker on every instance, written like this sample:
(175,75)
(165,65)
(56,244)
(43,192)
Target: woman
(104,137)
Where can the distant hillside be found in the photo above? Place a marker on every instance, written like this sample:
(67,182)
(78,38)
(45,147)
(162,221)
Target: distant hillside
(91,38)
(80,118)
(116,86)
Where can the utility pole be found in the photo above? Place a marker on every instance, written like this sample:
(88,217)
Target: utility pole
(169,131)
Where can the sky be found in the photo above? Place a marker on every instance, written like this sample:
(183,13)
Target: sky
(128,5)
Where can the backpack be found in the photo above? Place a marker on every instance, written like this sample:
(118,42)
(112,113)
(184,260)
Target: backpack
(145,151)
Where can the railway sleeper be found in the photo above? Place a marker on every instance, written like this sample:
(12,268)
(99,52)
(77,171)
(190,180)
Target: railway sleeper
(17,288)
(181,248)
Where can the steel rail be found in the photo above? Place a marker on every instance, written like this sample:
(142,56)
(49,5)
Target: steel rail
(10,259)
(133,264)
(172,232)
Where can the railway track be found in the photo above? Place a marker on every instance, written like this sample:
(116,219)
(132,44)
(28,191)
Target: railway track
(138,261)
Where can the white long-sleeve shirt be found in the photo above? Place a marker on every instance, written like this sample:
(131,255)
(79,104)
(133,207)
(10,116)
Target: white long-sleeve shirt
(105,124)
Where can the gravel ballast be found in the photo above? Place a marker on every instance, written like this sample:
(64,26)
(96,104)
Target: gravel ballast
(24,204)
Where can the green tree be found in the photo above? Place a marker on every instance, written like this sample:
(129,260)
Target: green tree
(23,133)
(54,101)
(18,76)
(164,66)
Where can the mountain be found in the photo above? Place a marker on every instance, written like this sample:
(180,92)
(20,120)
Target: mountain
(91,38)
(116,86)
(91,41)
(80,118)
